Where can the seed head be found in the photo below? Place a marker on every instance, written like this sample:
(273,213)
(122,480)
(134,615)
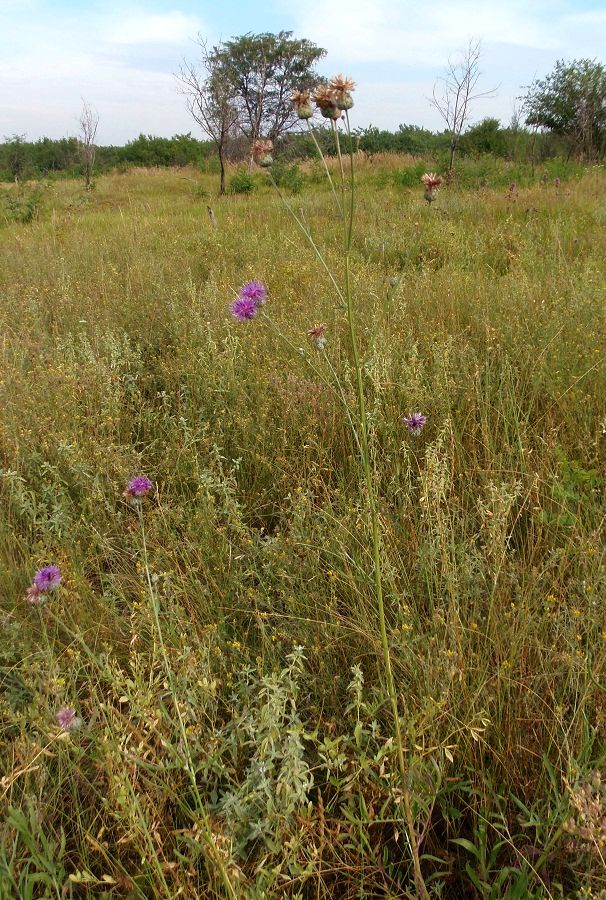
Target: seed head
(325,99)
(431,181)
(317,335)
(261,151)
(301,102)
(342,88)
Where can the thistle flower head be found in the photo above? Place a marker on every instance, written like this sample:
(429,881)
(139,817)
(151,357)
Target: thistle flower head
(342,85)
(67,719)
(243,308)
(254,290)
(325,99)
(261,151)
(415,423)
(301,102)
(34,595)
(431,181)
(46,579)
(342,88)
(139,486)
(317,335)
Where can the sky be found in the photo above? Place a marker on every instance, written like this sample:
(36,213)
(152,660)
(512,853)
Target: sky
(122,57)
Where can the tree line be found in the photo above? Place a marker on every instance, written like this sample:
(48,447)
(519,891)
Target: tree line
(239,91)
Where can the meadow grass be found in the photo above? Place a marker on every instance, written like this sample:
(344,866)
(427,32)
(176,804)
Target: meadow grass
(237,736)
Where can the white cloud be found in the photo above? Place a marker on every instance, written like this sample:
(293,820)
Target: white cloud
(412,34)
(144,28)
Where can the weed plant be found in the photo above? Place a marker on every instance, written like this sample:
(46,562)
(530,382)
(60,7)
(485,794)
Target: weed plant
(236,733)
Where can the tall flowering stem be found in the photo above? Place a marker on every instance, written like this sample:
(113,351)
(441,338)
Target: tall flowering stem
(369,475)
(333,101)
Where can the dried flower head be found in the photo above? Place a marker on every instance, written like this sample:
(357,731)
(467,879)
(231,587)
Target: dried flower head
(67,719)
(261,151)
(415,423)
(47,578)
(254,290)
(317,335)
(35,596)
(431,181)
(137,488)
(342,88)
(325,99)
(243,308)
(301,102)
(342,85)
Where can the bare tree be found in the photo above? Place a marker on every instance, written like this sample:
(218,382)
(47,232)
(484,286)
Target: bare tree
(89,121)
(210,101)
(454,93)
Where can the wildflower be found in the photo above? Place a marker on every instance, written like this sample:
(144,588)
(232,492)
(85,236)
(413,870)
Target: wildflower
(325,99)
(34,595)
(46,579)
(342,88)
(317,335)
(261,151)
(512,186)
(415,423)
(137,488)
(557,182)
(243,308)
(432,182)
(67,719)
(254,290)
(301,102)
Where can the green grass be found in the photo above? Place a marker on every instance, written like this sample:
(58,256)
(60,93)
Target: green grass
(251,762)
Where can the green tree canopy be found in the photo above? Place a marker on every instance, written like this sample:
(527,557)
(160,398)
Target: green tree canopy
(263,70)
(571,101)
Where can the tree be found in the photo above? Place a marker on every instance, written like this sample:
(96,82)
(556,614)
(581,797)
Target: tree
(16,155)
(262,71)
(454,93)
(486,136)
(571,102)
(89,121)
(211,102)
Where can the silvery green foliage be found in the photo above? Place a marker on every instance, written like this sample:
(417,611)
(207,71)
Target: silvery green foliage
(268,735)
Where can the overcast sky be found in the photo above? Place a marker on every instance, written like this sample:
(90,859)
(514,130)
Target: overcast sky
(121,57)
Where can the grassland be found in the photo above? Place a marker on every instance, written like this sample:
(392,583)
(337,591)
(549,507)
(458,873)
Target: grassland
(220,643)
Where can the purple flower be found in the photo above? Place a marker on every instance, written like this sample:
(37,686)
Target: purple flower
(67,719)
(415,423)
(139,486)
(46,579)
(254,290)
(243,308)
(557,182)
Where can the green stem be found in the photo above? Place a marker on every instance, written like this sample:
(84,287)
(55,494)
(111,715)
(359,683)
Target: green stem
(326,169)
(375,523)
(207,834)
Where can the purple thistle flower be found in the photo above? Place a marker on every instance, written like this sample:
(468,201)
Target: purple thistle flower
(415,423)
(243,308)
(139,486)
(47,578)
(67,719)
(254,290)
